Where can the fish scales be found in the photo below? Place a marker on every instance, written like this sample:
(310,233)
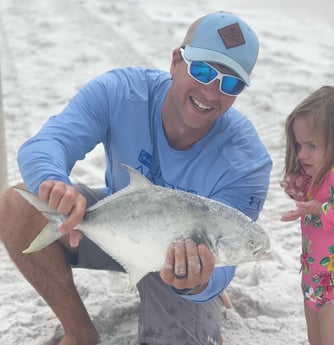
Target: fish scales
(136,225)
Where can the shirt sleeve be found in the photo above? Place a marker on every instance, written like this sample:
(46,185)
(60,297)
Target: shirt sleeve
(248,193)
(245,165)
(65,138)
(218,282)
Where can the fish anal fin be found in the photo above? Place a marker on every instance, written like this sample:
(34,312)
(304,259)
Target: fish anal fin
(134,278)
(134,274)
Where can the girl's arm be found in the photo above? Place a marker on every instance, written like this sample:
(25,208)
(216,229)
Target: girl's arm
(302,209)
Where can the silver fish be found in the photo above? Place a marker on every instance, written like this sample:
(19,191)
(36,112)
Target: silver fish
(135,226)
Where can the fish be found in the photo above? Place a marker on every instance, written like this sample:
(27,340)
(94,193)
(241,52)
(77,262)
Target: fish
(136,225)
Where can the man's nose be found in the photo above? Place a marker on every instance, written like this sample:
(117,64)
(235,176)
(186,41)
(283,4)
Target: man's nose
(213,88)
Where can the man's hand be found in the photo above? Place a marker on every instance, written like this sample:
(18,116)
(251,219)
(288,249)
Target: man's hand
(294,186)
(66,200)
(187,265)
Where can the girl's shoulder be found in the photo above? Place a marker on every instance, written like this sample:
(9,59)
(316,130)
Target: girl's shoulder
(330,176)
(328,183)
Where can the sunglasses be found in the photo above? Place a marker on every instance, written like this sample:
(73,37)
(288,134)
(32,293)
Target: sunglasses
(205,74)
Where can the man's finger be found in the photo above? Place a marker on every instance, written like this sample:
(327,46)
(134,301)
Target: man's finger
(75,217)
(193,260)
(180,265)
(207,262)
(44,190)
(167,272)
(75,237)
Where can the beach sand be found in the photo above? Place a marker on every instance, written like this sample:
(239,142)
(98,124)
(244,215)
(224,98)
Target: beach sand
(49,49)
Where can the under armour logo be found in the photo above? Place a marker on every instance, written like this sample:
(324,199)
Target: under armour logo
(255,202)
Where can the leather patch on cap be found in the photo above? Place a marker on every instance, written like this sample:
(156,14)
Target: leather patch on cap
(232,35)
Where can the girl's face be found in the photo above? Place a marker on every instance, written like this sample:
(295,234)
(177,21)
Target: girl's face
(310,150)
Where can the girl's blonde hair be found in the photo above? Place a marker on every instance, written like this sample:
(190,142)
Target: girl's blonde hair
(318,110)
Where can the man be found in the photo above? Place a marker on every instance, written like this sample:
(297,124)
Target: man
(179,130)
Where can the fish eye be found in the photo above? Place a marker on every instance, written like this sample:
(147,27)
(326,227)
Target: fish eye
(250,244)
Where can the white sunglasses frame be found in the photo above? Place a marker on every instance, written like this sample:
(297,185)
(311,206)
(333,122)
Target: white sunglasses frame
(219,75)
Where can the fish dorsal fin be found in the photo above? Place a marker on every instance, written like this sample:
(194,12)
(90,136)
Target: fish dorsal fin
(137,182)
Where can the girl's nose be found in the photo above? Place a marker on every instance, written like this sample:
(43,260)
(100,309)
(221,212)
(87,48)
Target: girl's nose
(302,153)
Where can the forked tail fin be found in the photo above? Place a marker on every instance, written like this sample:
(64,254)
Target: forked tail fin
(48,235)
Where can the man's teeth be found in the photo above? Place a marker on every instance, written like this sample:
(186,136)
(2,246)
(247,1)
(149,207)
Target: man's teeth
(201,105)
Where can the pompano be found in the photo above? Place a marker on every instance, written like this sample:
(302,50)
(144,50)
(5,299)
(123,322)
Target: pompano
(135,226)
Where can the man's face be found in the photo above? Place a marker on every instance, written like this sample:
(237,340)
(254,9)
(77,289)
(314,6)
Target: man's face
(197,105)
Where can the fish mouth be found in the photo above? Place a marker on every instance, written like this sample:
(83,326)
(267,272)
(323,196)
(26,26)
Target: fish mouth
(262,253)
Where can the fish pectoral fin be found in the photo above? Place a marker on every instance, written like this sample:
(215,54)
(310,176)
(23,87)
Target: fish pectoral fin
(223,250)
(44,238)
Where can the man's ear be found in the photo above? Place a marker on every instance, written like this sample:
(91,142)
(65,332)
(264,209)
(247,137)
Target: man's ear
(176,59)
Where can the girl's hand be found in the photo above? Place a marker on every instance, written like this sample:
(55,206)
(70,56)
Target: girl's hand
(294,186)
(303,208)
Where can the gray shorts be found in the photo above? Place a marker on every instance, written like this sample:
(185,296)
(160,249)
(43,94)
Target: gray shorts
(168,319)
(165,318)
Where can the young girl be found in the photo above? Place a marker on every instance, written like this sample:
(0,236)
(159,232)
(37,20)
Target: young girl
(310,157)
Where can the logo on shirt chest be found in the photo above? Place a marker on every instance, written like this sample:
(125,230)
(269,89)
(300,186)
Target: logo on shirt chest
(212,340)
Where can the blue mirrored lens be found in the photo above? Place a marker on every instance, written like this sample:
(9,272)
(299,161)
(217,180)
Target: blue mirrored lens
(205,74)
(231,85)
(202,72)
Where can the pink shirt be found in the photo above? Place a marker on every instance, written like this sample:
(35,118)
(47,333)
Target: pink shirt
(317,257)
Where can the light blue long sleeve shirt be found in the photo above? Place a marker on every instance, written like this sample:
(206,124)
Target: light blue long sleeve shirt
(122,110)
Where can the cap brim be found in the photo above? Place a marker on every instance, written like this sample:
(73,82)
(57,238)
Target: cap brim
(200,54)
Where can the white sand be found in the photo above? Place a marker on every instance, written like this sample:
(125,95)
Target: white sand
(51,48)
